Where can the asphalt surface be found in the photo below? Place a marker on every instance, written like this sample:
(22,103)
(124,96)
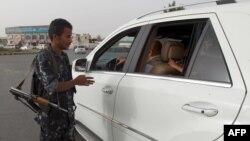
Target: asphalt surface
(17,121)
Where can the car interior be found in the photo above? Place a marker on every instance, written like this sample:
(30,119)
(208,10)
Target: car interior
(171,50)
(178,42)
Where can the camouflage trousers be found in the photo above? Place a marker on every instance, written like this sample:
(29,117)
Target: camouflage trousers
(57,126)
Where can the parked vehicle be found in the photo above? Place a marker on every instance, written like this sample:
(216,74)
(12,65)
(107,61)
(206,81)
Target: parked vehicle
(125,103)
(80,49)
(26,47)
(41,46)
(92,46)
(9,47)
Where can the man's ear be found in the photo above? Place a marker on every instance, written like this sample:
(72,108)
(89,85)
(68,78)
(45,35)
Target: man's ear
(54,37)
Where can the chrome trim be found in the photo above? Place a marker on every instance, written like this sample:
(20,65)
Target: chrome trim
(181,79)
(119,123)
(85,132)
(107,72)
(106,117)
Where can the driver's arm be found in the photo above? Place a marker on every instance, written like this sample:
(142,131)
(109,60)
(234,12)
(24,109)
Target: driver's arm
(120,60)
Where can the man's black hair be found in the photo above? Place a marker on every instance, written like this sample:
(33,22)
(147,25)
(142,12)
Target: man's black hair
(57,26)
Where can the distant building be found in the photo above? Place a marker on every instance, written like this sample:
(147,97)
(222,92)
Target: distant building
(85,39)
(38,35)
(27,34)
(3,41)
(75,40)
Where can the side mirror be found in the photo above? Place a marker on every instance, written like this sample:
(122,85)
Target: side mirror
(81,65)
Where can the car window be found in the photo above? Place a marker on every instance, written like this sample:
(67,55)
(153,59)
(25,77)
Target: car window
(210,64)
(179,42)
(169,47)
(113,55)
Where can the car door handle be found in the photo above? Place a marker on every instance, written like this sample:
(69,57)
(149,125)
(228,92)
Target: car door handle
(209,112)
(107,90)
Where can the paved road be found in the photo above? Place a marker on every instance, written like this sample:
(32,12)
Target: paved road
(16,121)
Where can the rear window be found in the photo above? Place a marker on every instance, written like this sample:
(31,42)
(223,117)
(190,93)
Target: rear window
(184,48)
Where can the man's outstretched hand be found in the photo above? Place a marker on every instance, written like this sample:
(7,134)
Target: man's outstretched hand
(83,80)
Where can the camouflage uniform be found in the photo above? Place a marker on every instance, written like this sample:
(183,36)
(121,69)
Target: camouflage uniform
(56,125)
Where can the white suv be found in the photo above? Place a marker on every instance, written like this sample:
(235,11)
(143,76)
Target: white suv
(212,46)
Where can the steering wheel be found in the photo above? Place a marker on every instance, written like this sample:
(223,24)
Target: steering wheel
(113,65)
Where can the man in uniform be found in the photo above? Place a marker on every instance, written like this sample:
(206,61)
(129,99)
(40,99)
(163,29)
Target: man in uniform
(57,125)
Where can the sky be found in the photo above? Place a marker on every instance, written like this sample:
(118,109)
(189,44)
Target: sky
(96,17)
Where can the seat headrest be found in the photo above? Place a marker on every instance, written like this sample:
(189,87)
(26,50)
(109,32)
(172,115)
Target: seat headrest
(172,50)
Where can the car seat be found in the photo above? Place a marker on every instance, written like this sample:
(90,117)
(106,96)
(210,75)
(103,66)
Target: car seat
(170,50)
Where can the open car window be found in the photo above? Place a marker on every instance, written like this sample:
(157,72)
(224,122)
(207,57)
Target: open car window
(177,41)
(112,56)
(187,49)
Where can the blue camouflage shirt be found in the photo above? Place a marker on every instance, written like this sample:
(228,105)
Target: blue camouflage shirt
(46,74)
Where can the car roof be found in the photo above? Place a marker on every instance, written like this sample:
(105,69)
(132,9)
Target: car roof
(233,7)
(218,9)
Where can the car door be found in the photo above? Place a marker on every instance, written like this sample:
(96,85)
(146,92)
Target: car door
(95,103)
(194,105)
